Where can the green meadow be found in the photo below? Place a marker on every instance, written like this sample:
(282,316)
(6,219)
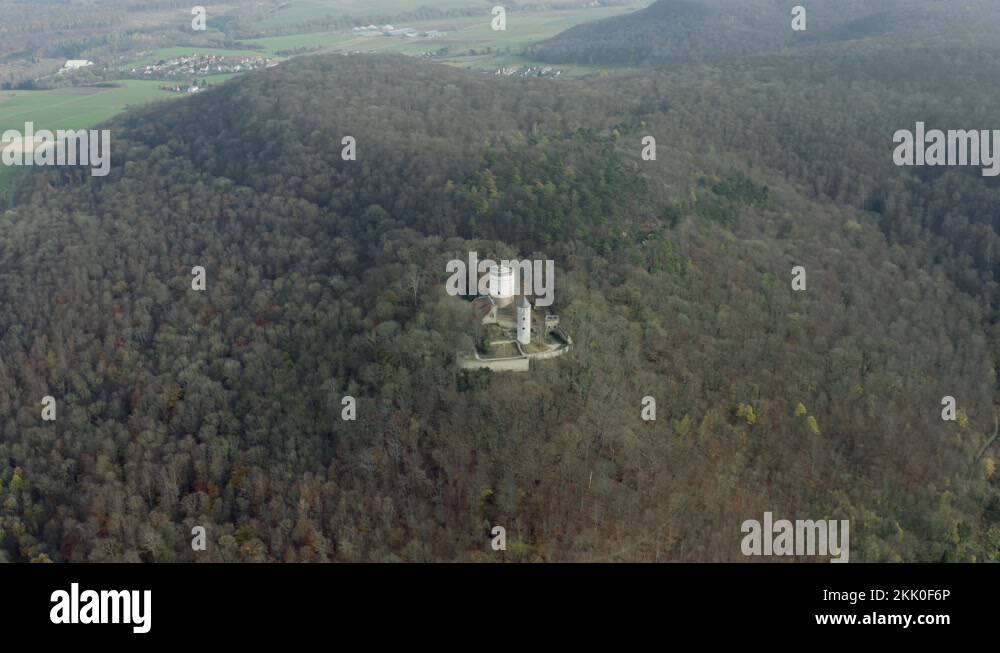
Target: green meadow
(327,40)
(297,12)
(73,108)
(70,108)
(462,36)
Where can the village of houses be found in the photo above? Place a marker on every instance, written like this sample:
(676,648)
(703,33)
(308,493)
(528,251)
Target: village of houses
(185,68)
(527,71)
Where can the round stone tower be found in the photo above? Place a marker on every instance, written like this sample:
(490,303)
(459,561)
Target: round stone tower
(524,322)
(501,285)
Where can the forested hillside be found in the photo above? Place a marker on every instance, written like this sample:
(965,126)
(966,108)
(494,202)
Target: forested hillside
(326,277)
(671,32)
